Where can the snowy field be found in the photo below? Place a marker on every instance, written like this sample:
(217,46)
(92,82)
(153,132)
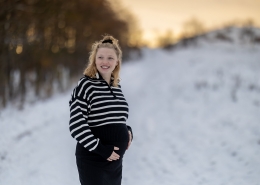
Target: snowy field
(195,115)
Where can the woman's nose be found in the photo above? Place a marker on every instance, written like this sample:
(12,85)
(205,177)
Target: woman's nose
(105,61)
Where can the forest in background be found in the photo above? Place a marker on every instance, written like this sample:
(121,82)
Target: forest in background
(44,44)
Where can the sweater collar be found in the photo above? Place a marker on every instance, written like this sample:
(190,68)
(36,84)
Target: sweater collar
(99,77)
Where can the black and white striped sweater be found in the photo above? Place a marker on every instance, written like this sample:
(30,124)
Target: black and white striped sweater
(94,103)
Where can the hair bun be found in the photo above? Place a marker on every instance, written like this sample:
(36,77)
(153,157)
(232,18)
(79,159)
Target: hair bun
(107,41)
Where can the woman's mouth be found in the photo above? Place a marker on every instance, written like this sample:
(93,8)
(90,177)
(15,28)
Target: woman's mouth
(104,67)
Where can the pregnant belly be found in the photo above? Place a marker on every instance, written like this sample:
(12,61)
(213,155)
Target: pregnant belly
(111,134)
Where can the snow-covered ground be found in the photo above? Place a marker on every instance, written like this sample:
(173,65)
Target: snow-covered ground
(195,114)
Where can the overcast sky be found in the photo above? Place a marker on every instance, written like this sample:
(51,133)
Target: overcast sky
(156,16)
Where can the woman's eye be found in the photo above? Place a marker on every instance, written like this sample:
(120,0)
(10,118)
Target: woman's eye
(110,58)
(100,57)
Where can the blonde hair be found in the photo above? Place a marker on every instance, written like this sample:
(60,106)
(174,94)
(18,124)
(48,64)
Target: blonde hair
(91,68)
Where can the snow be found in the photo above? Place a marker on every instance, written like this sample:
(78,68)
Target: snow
(193,123)
(194,112)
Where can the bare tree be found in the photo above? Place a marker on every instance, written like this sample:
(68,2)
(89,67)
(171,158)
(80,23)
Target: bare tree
(192,27)
(166,40)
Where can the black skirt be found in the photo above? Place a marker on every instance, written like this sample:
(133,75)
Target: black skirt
(94,169)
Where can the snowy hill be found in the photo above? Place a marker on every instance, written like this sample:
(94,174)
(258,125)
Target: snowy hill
(229,37)
(195,114)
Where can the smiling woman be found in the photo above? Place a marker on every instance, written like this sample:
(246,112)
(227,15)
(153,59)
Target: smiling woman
(106,62)
(98,114)
(107,51)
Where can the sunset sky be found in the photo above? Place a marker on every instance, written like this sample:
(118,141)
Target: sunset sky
(155,17)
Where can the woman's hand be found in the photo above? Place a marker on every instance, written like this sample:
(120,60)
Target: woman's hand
(130,140)
(114,156)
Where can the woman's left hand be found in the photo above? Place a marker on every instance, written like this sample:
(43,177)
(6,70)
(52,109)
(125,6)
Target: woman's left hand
(130,140)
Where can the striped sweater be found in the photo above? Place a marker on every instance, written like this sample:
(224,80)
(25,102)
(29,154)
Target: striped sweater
(94,103)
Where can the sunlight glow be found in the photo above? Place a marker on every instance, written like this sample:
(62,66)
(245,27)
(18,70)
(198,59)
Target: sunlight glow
(155,17)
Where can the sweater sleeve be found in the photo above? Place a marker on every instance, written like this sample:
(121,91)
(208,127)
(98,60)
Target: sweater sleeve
(130,129)
(78,125)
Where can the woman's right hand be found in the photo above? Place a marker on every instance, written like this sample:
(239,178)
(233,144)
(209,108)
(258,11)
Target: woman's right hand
(114,156)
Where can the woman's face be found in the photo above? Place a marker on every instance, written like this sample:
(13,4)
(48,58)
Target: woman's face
(106,61)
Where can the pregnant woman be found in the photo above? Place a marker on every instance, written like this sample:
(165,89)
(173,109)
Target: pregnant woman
(98,114)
